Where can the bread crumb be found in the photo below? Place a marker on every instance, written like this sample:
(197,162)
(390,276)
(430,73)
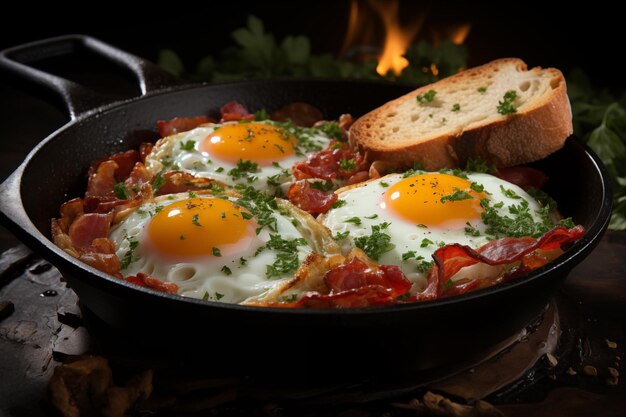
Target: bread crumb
(611,344)
(590,370)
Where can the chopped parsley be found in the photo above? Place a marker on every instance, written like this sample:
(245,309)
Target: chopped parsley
(246,215)
(342,235)
(427,97)
(287,259)
(226,270)
(377,243)
(188,146)
(121,191)
(408,255)
(384,184)
(509,193)
(182,237)
(219,296)
(456,107)
(195,221)
(158,208)
(354,220)
(426,242)
(276,179)
(261,115)
(192,194)
(216,251)
(482,90)
(288,298)
(216,189)
(505,106)
(339,203)
(206,296)
(471,230)
(333,130)
(347,164)
(129,256)
(567,222)
(325,186)
(280,148)
(457,195)
(479,188)
(424,266)
(158,182)
(223,215)
(243,261)
(521,222)
(260,204)
(244,168)
(219,169)
(373,216)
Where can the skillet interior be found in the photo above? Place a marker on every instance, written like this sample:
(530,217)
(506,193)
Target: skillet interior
(394,339)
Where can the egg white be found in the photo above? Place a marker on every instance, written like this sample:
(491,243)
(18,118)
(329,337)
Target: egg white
(168,155)
(203,277)
(363,201)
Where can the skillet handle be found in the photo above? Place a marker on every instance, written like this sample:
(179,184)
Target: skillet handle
(77,98)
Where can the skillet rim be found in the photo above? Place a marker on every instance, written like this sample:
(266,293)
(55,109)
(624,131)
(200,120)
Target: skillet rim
(568,260)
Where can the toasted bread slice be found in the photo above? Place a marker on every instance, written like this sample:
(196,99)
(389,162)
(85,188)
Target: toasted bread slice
(462,120)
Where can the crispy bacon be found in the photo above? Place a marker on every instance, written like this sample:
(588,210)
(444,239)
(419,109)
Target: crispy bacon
(301,114)
(180,182)
(88,227)
(101,255)
(148,281)
(234,111)
(181,124)
(310,199)
(144,149)
(124,161)
(336,161)
(523,177)
(102,181)
(356,273)
(451,258)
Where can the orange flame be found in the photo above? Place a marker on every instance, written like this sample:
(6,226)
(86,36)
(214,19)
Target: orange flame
(397,39)
(369,19)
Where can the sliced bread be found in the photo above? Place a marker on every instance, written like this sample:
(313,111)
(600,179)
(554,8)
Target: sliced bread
(472,115)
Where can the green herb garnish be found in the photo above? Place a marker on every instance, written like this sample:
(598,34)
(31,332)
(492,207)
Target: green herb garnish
(427,97)
(506,105)
(457,195)
(377,243)
(188,146)
(121,191)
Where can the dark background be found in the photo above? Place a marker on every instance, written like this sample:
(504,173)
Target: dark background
(590,37)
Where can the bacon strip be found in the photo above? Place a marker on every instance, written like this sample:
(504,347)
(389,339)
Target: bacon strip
(181,124)
(148,281)
(451,258)
(88,227)
(327,164)
(310,199)
(356,273)
(234,111)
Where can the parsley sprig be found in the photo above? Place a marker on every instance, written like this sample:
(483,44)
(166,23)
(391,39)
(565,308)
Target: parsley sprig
(377,243)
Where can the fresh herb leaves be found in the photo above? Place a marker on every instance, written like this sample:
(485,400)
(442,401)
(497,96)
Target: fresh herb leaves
(426,97)
(505,106)
(376,243)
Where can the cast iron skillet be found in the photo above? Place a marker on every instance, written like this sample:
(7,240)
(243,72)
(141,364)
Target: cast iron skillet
(390,339)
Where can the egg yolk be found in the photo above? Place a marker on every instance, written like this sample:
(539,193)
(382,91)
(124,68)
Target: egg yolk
(438,200)
(256,142)
(201,227)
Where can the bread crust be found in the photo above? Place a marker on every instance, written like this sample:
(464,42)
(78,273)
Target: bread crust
(511,140)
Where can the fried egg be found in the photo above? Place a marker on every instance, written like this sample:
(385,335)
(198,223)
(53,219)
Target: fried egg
(259,154)
(213,248)
(401,220)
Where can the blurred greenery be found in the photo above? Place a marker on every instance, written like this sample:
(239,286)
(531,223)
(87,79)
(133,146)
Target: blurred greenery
(257,54)
(599,117)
